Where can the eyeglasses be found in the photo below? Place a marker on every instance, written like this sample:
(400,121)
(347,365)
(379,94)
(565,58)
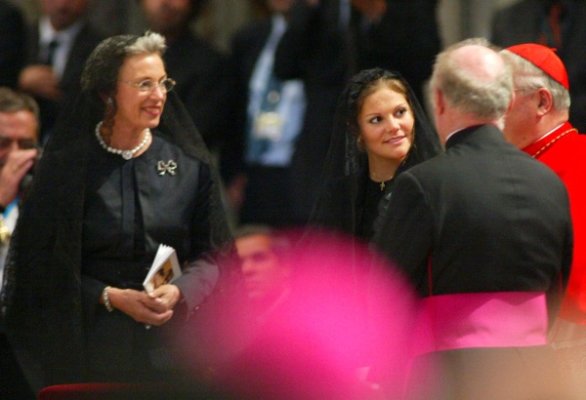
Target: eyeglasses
(147,85)
(23,144)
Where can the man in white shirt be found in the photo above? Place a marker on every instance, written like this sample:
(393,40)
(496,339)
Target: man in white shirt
(58,45)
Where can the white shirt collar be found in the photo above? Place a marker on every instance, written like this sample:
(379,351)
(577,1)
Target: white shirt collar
(65,37)
(453,133)
(48,33)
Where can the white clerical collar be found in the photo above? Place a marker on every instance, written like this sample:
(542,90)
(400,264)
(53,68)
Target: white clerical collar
(550,132)
(453,133)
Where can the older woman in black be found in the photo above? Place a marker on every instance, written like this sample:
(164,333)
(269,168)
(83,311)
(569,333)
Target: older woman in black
(125,172)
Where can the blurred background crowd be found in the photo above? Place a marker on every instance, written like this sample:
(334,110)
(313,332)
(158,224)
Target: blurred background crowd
(275,89)
(215,53)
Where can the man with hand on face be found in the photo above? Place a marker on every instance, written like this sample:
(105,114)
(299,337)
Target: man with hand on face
(18,151)
(18,140)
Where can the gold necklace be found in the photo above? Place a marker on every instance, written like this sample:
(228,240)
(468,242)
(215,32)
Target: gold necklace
(382,184)
(551,142)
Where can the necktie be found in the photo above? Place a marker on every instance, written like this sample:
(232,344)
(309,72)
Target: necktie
(50,53)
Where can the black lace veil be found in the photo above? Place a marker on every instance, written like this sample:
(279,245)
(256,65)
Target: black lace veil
(346,166)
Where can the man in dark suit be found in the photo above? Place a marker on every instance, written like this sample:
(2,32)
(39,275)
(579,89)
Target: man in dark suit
(484,233)
(554,23)
(269,114)
(199,70)
(57,47)
(12,41)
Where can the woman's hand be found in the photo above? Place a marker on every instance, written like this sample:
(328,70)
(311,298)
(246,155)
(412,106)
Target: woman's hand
(166,295)
(150,309)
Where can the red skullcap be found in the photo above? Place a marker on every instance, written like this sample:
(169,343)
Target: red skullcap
(544,58)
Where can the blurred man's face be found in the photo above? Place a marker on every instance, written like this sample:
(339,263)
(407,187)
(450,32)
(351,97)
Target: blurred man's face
(264,275)
(280,6)
(18,130)
(166,16)
(63,13)
(521,117)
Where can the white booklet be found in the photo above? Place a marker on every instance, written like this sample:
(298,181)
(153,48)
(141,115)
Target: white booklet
(165,268)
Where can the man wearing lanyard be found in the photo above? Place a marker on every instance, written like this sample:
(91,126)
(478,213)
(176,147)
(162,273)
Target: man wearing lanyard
(19,126)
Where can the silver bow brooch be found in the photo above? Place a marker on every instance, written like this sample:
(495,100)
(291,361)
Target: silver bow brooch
(166,167)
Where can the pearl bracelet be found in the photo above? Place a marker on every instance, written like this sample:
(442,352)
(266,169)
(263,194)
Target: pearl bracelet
(106,299)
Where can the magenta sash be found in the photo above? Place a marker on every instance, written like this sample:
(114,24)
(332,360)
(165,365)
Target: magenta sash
(493,319)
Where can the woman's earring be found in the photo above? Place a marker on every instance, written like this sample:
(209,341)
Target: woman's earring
(359,143)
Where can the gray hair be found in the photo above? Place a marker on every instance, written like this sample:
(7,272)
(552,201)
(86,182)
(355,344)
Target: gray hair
(529,78)
(483,99)
(100,73)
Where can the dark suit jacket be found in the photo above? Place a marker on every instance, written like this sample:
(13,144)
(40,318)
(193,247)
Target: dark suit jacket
(522,22)
(270,196)
(202,85)
(12,41)
(246,46)
(486,217)
(87,39)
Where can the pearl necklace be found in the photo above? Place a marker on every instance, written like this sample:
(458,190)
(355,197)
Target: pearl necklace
(126,154)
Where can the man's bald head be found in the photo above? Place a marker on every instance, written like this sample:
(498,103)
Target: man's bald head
(474,79)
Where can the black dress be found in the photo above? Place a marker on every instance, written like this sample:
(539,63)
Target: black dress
(93,219)
(127,215)
(373,202)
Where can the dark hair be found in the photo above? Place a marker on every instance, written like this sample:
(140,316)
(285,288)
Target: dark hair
(280,243)
(12,101)
(365,83)
(345,170)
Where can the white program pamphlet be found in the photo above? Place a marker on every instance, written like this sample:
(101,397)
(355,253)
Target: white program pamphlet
(165,268)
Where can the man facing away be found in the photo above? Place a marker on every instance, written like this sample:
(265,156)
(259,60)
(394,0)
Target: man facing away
(484,234)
